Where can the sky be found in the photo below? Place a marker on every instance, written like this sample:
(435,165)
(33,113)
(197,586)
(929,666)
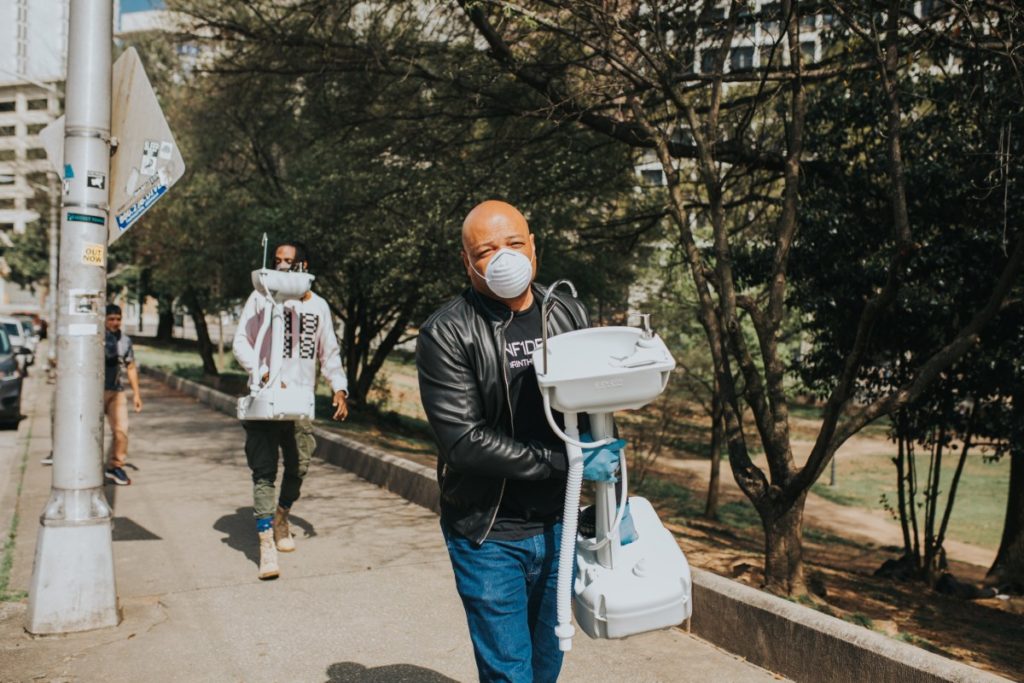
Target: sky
(128,6)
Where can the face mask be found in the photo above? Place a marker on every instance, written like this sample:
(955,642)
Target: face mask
(296,267)
(509,273)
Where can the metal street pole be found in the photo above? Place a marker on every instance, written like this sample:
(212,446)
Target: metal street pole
(73,579)
(51,341)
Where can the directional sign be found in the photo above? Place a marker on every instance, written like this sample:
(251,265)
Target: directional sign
(146,161)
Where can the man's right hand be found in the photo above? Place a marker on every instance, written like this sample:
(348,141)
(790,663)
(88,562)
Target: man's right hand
(340,402)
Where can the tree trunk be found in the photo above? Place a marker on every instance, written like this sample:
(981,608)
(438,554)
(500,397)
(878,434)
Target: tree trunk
(908,445)
(932,560)
(783,540)
(714,485)
(206,347)
(165,326)
(902,483)
(951,496)
(1007,571)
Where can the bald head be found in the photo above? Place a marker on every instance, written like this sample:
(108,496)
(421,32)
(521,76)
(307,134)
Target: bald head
(490,220)
(489,227)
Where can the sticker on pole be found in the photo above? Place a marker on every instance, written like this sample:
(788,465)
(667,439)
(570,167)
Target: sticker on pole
(82,330)
(85,218)
(150,192)
(150,152)
(84,302)
(92,254)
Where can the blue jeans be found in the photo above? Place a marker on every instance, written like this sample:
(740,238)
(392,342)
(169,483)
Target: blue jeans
(508,589)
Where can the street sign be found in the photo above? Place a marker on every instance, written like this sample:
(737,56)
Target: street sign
(146,161)
(52,138)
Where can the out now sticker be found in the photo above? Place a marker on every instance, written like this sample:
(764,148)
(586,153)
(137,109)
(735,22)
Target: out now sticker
(92,254)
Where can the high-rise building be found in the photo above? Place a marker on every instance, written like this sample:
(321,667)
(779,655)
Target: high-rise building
(33,67)
(33,60)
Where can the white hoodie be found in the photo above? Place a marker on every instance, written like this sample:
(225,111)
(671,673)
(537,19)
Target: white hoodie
(308,337)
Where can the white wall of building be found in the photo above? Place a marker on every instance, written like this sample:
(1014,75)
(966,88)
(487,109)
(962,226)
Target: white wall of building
(33,41)
(33,62)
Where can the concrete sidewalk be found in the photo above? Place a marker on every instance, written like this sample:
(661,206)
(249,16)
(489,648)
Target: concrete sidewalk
(368,596)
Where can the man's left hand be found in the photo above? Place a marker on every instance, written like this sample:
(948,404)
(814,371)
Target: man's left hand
(340,402)
(602,462)
(138,403)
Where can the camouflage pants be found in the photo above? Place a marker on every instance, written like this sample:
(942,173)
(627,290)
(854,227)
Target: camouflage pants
(264,440)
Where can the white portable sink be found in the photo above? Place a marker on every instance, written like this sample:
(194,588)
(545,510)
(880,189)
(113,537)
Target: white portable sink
(603,369)
(281,285)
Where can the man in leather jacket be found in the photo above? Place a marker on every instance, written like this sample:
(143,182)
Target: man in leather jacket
(501,468)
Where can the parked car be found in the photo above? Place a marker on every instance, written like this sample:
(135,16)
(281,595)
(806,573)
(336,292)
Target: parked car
(10,381)
(30,331)
(38,323)
(19,342)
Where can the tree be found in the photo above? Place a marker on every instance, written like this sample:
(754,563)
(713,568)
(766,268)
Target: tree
(192,247)
(954,137)
(675,310)
(28,256)
(627,70)
(1007,571)
(374,170)
(731,141)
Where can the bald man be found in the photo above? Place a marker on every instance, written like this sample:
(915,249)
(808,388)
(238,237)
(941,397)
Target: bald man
(501,469)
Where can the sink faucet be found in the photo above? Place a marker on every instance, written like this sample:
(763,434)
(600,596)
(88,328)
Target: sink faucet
(645,326)
(545,309)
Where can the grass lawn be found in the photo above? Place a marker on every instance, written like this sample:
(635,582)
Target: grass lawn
(980,501)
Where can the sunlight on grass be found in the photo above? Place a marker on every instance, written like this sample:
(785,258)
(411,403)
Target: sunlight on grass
(980,502)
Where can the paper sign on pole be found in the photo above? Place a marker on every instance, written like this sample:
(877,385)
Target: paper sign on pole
(146,162)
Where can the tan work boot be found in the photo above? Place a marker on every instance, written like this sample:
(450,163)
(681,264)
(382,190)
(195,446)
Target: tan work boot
(268,556)
(282,534)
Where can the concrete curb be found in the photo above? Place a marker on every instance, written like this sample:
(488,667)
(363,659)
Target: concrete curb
(412,481)
(733,616)
(751,624)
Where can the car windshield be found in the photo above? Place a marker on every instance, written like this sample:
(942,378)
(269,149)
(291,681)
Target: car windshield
(5,343)
(27,326)
(12,329)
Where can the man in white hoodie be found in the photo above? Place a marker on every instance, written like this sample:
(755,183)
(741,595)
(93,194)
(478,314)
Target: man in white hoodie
(308,338)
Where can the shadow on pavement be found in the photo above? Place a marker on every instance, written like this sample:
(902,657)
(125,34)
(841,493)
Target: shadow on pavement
(125,529)
(11,424)
(240,530)
(350,672)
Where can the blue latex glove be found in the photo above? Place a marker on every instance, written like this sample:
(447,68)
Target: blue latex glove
(601,463)
(627,530)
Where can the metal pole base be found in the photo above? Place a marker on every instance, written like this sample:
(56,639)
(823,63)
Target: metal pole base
(73,578)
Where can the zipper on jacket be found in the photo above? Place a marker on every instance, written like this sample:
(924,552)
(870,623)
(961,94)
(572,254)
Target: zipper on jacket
(511,422)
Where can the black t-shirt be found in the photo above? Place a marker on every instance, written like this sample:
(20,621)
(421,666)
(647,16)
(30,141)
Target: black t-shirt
(528,506)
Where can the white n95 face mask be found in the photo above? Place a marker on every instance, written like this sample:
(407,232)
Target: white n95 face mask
(509,273)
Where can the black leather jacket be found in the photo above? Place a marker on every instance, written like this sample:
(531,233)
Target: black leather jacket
(464,389)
